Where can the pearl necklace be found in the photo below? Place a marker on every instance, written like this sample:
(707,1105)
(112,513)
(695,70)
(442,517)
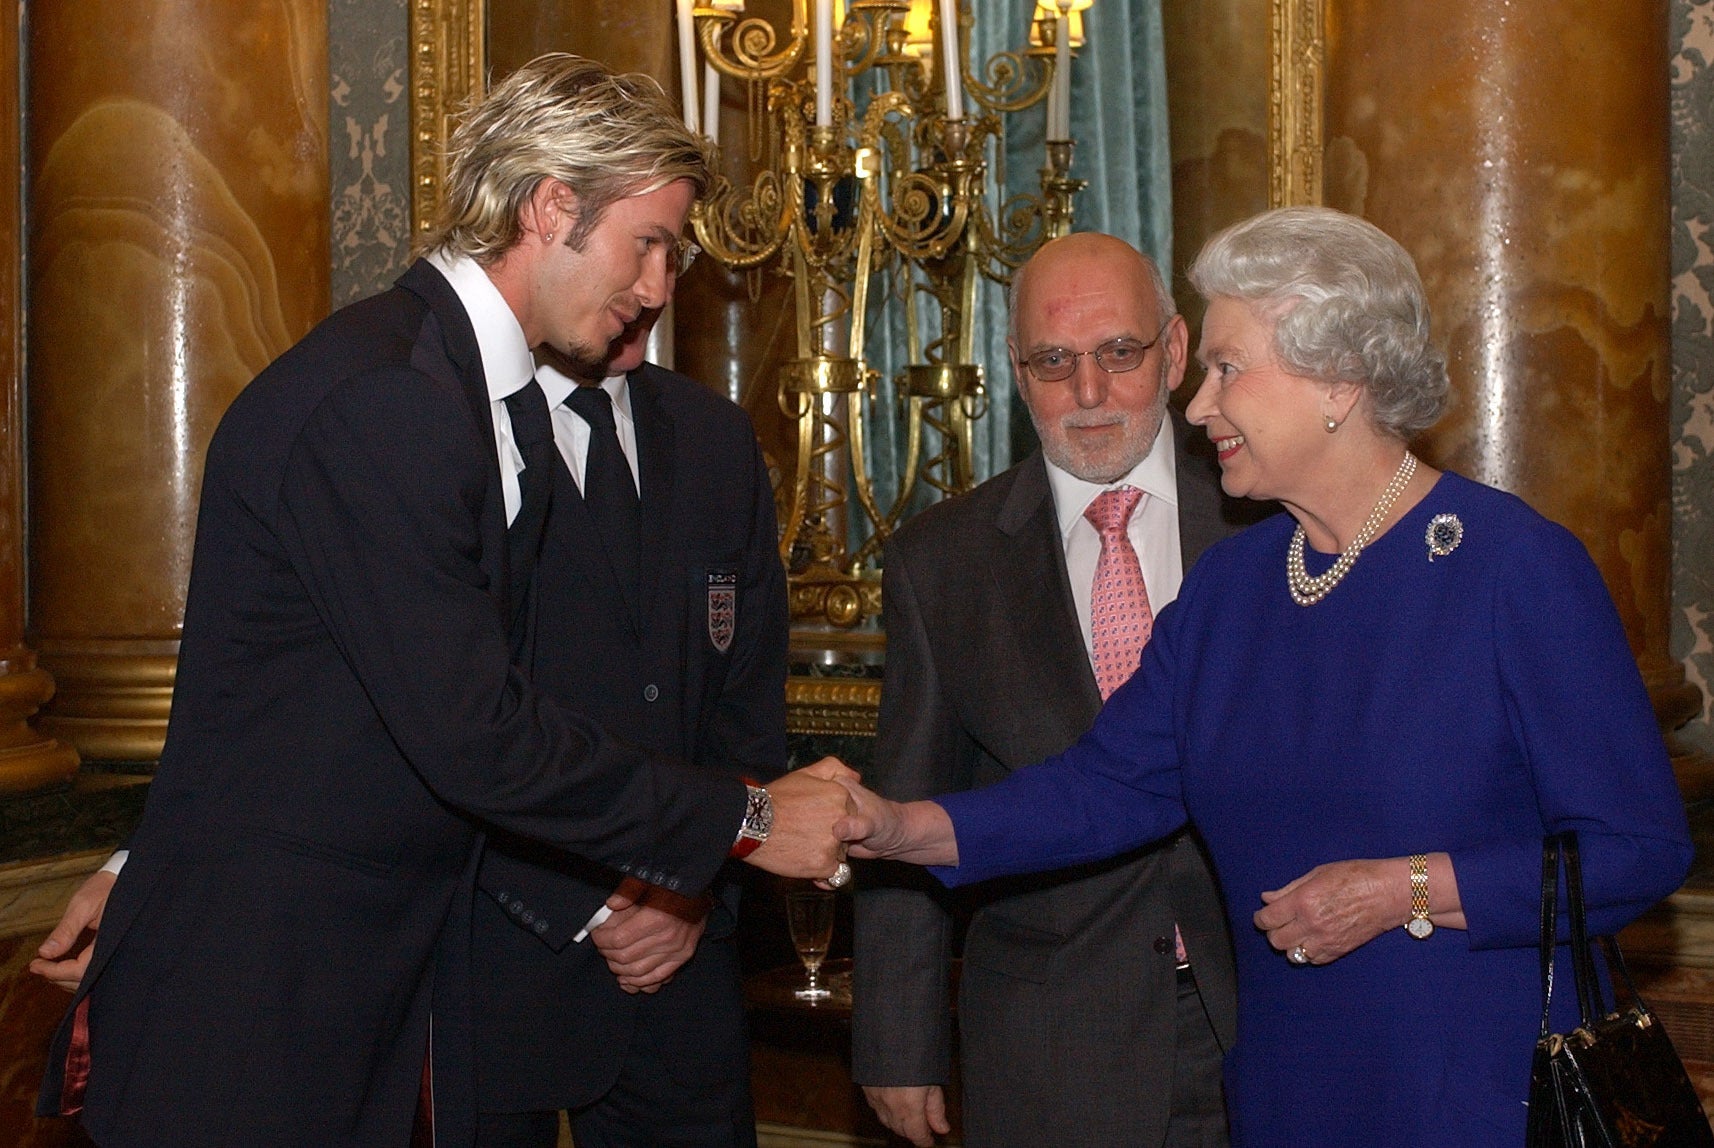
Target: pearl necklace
(1307,590)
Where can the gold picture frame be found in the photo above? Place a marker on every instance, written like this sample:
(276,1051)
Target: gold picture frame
(448,58)
(1298,39)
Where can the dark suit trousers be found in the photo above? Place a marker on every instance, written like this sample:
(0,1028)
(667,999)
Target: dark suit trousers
(677,1088)
(1198,1115)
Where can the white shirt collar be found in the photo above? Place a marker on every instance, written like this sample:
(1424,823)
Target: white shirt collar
(1156,475)
(507,364)
(556,385)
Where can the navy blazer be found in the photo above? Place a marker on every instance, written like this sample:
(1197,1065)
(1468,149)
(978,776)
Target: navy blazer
(698,672)
(296,904)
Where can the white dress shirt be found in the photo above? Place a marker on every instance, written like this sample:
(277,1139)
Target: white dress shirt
(571,432)
(508,366)
(1153,529)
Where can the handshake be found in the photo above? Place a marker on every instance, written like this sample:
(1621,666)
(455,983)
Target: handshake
(822,813)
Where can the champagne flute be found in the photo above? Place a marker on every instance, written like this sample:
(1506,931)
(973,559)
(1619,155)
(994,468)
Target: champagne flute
(809,916)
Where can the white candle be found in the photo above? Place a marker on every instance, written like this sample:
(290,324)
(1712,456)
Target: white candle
(950,59)
(823,63)
(687,63)
(710,103)
(1059,98)
(1052,124)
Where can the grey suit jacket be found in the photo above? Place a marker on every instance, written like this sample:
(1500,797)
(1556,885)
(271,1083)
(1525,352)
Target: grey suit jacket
(1066,1006)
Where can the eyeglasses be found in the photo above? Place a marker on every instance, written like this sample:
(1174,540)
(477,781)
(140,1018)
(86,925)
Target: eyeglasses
(1115,356)
(684,254)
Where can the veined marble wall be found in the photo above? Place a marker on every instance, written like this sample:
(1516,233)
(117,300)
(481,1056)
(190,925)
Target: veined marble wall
(1693,351)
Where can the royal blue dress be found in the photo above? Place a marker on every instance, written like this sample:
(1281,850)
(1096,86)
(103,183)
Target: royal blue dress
(1468,704)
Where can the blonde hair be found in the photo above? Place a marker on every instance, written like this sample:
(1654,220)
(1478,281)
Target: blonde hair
(604,135)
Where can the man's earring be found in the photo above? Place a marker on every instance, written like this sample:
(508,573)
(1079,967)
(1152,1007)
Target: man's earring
(548,238)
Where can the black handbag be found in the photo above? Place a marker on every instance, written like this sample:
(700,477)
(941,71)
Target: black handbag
(1615,1081)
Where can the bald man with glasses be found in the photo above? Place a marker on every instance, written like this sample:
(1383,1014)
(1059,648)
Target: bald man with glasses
(1094,1003)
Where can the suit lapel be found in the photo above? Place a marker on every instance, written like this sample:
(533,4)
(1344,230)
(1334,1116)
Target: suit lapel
(1200,524)
(447,350)
(1028,566)
(457,343)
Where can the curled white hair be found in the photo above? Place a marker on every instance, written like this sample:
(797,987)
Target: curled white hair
(1348,306)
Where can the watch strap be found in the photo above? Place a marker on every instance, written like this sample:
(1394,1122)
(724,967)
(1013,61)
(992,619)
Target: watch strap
(758,821)
(1419,925)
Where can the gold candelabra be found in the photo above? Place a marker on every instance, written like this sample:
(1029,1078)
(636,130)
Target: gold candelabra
(873,137)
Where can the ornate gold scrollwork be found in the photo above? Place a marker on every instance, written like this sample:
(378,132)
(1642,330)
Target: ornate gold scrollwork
(1294,102)
(448,54)
(839,706)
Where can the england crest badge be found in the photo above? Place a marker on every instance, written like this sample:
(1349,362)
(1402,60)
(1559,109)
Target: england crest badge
(722,608)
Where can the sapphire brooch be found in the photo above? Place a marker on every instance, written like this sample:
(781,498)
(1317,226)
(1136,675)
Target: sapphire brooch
(1445,532)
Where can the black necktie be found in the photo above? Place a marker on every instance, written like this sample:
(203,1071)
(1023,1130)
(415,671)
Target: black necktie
(608,488)
(532,430)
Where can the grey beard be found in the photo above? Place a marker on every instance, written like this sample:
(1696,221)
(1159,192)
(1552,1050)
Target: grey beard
(1062,458)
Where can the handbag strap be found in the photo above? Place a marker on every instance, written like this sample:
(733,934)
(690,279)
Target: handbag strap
(1616,960)
(1589,1001)
(1549,916)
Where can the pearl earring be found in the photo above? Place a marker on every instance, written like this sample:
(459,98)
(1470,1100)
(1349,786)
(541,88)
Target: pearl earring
(1331,425)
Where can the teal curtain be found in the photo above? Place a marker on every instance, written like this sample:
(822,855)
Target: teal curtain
(1119,120)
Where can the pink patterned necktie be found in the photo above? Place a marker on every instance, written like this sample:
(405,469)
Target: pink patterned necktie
(1119,614)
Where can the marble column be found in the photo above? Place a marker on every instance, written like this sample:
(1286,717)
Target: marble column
(1520,152)
(28,759)
(178,243)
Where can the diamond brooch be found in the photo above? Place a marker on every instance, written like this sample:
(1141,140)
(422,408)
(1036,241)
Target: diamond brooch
(1445,532)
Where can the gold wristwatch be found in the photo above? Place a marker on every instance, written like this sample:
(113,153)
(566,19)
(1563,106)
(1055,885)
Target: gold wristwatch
(1419,926)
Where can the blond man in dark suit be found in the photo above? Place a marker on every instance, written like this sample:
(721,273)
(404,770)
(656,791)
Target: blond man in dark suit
(285,957)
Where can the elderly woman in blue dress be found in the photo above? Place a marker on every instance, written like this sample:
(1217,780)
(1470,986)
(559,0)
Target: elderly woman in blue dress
(1373,707)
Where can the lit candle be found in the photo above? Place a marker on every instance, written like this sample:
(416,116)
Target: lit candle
(823,63)
(711,103)
(687,63)
(950,59)
(1059,101)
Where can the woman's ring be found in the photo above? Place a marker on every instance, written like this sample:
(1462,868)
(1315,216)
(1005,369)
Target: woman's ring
(1297,956)
(841,876)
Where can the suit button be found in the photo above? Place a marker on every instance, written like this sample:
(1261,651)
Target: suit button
(1163,945)
(650,693)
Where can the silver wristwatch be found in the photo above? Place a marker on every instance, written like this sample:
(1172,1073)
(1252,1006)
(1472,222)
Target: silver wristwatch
(758,820)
